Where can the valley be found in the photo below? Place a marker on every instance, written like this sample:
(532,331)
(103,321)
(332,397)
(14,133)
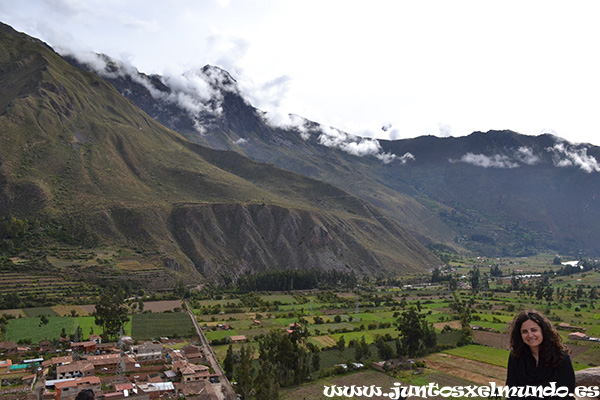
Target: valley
(305,260)
(332,323)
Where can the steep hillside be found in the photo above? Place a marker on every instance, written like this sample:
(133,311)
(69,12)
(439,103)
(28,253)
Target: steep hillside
(496,193)
(95,170)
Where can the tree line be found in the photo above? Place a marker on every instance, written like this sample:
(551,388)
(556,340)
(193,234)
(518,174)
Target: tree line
(290,279)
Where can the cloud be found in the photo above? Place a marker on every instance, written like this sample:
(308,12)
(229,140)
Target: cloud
(277,119)
(197,92)
(445,130)
(480,160)
(566,155)
(406,158)
(358,146)
(392,133)
(227,52)
(525,155)
(272,92)
(241,141)
(515,158)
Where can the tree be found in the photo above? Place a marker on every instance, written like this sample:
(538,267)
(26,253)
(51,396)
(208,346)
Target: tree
(111,313)
(316,359)
(228,363)
(474,276)
(266,386)
(548,292)
(361,350)
(416,335)
(495,270)
(557,260)
(341,343)
(244,372)
(44,320)
(384,349)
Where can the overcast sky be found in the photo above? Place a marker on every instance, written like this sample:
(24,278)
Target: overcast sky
(422,67)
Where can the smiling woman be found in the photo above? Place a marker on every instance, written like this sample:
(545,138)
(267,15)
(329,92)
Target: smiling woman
(537,356)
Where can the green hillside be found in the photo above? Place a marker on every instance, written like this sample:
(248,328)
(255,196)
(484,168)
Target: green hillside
(83,166)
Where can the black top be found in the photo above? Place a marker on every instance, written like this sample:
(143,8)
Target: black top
(523,371)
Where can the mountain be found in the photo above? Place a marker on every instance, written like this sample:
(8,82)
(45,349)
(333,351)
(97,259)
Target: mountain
(495,193)
(81,164)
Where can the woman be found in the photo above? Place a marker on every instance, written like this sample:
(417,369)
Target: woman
(537,355)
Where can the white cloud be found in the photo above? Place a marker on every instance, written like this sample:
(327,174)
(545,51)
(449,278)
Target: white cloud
(406,157)
(196,92)
(565,155)
(445,130)
(281,120)
(516,158)
(526,156)
(495,161)
(358,146)
(241,141)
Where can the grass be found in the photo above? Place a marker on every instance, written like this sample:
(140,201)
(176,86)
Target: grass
(33,330)
(217,335)
(88,326)
(485,354)
(148,326)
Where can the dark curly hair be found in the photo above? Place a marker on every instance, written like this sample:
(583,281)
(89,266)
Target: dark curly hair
(551,349)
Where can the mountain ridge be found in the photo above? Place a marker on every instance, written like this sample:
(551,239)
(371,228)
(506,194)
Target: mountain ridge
(435,187)
(87,163)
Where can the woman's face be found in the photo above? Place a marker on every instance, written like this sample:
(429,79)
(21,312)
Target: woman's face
(531,333)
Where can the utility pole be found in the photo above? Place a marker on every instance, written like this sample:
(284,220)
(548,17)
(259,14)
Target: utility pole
(357,305)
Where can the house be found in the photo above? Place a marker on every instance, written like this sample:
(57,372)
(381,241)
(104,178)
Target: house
(237,338)
(5,365)
(175,355)
(45,346)
(28,380)
(70,388)
(387,365)
(8,347)
(148,351)
(191,372)
(105,363)
(569,327)
(199,390)
(95,338)
(223,327)
(127,340)
(61,360)
(256,322)
(171,375)
(293,327)
(123,387)
(578,336)
(193,354)
(108,347)
(75,369)
(86,347)
(156,390)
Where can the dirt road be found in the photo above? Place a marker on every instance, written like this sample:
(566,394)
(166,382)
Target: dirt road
(223,389)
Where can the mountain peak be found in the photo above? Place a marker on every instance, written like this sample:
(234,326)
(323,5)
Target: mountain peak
(219,75)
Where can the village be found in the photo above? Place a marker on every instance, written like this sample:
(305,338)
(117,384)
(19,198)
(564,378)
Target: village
(113,370)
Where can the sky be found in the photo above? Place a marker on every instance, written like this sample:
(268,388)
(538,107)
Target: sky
(382,69)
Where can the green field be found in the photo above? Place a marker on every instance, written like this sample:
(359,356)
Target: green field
(148,326)
(31,329)
(217,335)
(485,354)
